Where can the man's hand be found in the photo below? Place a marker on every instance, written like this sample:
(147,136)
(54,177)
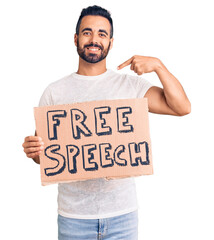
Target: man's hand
(33,146)
(141,64)
(171,99)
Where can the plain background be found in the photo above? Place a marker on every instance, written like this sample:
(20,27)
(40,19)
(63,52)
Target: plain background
(37,48)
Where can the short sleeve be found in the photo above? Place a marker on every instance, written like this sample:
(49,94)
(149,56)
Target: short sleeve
(143,86)
(140,85)
(46,98)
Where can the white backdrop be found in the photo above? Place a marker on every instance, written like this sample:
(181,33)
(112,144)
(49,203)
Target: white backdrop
(37,48)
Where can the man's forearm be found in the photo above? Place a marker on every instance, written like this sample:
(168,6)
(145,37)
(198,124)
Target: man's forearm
(173,91)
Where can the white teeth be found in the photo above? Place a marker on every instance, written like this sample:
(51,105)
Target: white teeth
(93,49)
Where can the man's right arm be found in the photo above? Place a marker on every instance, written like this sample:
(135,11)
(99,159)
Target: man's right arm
(33,146)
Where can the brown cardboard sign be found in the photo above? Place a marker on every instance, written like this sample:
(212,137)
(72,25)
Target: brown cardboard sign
(97,139)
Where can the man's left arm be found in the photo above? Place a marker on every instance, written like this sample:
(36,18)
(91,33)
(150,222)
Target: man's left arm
(171,99)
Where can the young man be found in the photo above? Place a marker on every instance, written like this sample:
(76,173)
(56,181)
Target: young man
(97,208)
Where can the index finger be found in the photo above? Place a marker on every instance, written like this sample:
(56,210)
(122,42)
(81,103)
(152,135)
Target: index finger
(126,63)
(33,139)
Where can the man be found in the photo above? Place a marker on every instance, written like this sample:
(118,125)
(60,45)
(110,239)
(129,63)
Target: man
(97,208)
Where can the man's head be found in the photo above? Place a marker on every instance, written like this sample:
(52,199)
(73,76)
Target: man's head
(94,34)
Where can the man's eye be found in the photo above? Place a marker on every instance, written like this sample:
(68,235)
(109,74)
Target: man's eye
(86,33)
(102,35)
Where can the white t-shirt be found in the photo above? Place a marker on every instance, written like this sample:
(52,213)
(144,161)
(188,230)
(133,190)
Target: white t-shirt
(95,198)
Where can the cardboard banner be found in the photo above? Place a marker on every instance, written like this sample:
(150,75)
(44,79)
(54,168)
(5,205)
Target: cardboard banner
(98,139)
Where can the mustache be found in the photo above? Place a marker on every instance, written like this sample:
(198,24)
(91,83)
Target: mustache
(94,45)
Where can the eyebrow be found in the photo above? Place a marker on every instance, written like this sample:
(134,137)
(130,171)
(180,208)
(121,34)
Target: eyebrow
(104,31)
(100,30)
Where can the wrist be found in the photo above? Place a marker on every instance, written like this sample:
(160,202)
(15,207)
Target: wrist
(159,67)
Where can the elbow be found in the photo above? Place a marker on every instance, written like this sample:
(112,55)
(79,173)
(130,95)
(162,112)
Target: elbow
(185,110)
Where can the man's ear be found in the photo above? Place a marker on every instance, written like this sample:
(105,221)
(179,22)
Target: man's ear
(111,40)
(75,39)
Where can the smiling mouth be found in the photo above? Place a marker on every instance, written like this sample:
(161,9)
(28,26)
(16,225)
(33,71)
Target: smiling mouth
(93,49)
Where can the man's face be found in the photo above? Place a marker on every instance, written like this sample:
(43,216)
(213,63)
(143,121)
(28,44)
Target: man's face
(93,42)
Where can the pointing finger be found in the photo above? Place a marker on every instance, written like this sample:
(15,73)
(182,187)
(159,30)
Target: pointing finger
(126,63)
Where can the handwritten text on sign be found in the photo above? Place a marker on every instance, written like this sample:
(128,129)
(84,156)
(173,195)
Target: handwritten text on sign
(108,138)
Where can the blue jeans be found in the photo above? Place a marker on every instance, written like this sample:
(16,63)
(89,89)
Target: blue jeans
(124,227)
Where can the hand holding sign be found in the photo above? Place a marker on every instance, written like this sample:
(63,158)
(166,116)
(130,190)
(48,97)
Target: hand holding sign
(141,64)
(33,146)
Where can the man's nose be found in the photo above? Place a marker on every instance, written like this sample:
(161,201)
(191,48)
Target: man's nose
(94,38)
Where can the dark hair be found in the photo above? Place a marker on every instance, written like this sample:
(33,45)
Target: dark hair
(95,11)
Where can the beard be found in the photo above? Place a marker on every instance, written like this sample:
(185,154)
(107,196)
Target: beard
(92,57)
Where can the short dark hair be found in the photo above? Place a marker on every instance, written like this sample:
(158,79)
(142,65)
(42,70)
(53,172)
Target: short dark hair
(95,11)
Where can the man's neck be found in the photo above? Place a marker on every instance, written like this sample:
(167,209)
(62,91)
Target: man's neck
(91,69)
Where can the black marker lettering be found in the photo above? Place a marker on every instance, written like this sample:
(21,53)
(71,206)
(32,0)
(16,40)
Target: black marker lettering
(105,160)
(119,161)
(77,120)
(139,153)
(52,153)
(122,119)
(87,156)
(72,153)
(53,122)
(100,122)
